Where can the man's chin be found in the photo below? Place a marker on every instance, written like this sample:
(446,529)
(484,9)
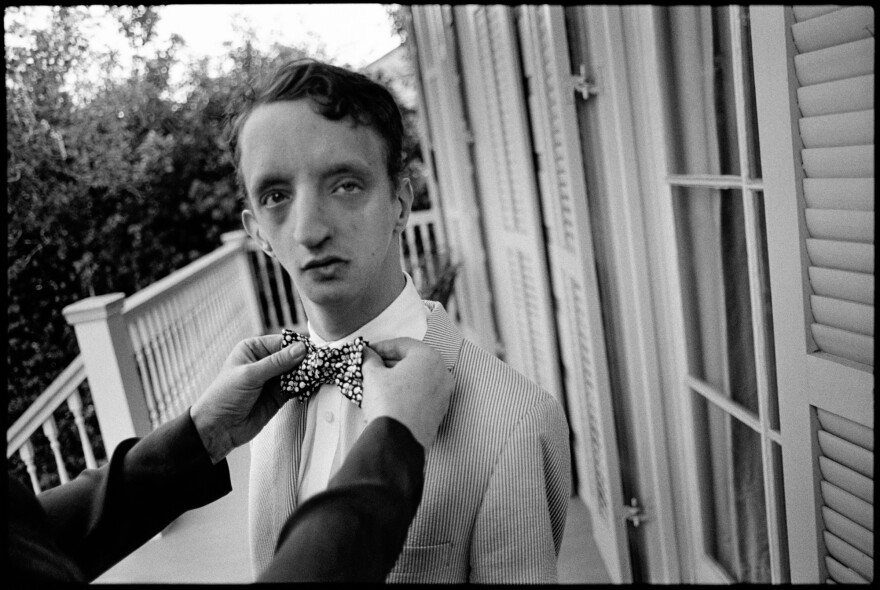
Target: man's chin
(326,292)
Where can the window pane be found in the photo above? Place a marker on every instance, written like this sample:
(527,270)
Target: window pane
(767,320)
(715,291)
(700,90)
(753,150)
(785,569)
(731,485)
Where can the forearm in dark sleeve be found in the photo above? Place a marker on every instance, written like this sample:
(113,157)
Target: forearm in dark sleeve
(355,530)
(105,514)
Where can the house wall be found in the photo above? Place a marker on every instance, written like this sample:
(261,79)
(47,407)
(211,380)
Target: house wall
(593,99)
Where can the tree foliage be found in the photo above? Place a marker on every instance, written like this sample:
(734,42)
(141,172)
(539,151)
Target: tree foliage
(397,15)
(110,185)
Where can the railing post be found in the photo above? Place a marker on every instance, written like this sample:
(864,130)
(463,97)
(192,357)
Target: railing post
(110,367)
(248,281)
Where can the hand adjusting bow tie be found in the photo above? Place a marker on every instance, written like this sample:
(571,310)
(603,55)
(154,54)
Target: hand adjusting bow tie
(323,364)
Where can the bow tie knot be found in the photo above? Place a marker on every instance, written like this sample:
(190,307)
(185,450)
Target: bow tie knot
(340,366)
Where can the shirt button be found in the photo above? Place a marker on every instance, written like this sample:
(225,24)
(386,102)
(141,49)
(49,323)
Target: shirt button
(328,416)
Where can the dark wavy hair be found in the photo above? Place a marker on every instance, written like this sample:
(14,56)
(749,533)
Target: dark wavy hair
(335,93)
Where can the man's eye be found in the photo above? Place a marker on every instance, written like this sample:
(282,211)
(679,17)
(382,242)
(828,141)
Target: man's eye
(273,198)
(348,187)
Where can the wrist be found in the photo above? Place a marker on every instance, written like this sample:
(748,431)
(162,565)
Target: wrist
(214,437)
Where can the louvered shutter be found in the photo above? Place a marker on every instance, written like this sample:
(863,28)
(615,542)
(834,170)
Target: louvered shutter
(846,462)
(507,192)
(447,144)
(835,58)
(814,81)
(574,281)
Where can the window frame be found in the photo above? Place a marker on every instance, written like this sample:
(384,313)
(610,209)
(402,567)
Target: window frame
(706,568)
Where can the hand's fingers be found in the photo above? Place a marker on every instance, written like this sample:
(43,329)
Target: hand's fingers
(256,348)
(278,363)
(272,343)
(395,348)
(372,358)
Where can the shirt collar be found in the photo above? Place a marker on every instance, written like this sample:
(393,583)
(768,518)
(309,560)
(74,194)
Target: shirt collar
(406,316)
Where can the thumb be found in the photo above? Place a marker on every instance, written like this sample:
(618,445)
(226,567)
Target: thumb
(394,349)
(276,364)
(371,358)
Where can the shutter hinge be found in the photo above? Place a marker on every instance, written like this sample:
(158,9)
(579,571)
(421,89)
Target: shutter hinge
(634,513)
(586,86)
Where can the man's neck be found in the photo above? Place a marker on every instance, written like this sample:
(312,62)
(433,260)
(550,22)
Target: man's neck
(332,322)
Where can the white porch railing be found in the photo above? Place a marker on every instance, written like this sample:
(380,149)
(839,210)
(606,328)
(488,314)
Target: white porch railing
(65,388)
(420,245)
(149,356)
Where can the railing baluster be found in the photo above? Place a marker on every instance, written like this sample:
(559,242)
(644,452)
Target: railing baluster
(169,387)
(199,337)
(74,402)
(439,235)
(26,452)
(221,300)
(186,342)
(415,268)
(267,288)
(403,259)
(178,390)
(206,326)
(50,429)
(239,323)
(193,341)
(282,293)
(424,231)
(190,342)
(143,363)
(215,342)
(160,387)
(160,321)
(181,352)
(301,320)
(215,315)
(236,306)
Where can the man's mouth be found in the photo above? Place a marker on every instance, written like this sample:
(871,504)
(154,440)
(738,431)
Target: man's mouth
(325,263)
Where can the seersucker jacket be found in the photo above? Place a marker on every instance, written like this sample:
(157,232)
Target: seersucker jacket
(497,478)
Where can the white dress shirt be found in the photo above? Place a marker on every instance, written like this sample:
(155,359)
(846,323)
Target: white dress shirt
(334,423)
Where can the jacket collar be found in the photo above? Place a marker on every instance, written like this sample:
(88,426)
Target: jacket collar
(442,334)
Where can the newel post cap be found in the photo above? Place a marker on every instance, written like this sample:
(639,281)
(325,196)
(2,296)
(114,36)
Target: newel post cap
(236,236)
(93,309)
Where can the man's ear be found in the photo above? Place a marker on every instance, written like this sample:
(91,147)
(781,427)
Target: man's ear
(252,227)
(404,198)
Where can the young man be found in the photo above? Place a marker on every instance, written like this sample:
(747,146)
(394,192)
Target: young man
(318,151)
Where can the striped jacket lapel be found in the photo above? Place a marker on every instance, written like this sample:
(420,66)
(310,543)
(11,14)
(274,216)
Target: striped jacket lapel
(442,334)
(275,460)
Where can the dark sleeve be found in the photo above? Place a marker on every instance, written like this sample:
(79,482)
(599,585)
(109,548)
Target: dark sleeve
(355,529)
(104,514)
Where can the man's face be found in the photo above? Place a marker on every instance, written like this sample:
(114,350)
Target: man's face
(321,201)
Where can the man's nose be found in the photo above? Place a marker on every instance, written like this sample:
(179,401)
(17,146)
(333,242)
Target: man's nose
(312,226)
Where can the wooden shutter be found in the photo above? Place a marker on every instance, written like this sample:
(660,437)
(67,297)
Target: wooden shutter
(835,58)
(814,80)
(447,145)
(846,463)
(508,193)
(575,287)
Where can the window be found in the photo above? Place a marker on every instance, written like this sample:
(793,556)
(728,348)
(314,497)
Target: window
(714,176)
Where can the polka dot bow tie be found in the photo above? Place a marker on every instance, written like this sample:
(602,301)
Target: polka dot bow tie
(323,364)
